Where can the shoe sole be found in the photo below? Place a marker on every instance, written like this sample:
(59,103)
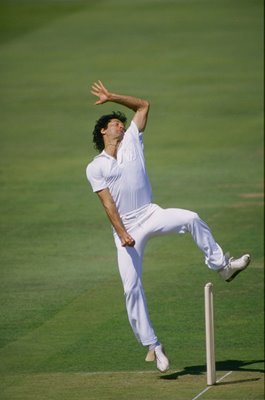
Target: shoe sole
(150,356)
(237,272)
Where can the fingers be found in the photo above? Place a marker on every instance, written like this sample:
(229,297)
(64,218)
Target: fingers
(128,241)
(100,91)
(97,87)
(96,92)
(131,243)
(102,86)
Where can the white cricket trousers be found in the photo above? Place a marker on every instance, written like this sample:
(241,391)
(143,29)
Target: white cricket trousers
(142,224)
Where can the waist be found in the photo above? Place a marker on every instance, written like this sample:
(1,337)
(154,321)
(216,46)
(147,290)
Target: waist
(131,219)
(135,214)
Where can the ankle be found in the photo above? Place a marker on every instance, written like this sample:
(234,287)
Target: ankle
(154,345)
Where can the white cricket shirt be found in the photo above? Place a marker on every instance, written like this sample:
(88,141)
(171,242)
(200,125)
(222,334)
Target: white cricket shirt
(126,177)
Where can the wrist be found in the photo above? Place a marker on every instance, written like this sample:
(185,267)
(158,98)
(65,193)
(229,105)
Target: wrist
(121,232)
(112,97)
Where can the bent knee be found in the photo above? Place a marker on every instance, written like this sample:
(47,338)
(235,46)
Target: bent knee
(194,217)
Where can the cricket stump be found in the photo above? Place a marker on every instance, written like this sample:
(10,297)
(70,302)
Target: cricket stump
(209,330)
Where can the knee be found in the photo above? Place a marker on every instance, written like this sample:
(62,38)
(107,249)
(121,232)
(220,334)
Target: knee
(194,217)
(194,222)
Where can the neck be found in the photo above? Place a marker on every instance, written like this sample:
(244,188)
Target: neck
(112,148)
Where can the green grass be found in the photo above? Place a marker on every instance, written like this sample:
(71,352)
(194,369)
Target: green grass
(62,319)
(143,386)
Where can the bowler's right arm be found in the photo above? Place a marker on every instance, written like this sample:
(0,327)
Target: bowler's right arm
(114,217)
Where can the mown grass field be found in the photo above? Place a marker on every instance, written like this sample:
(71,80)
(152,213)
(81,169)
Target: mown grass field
(63,328)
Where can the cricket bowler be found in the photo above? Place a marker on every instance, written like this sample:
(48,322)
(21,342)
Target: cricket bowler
(119,178)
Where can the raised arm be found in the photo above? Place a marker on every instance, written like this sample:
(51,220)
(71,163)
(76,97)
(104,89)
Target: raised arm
(139,106)
(114,217)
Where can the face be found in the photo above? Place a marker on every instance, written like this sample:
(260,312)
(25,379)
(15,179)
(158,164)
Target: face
(114,131)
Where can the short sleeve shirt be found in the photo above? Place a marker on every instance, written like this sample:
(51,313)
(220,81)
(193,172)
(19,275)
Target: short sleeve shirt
(126,176)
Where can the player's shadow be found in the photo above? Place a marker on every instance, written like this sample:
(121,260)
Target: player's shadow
(227,365)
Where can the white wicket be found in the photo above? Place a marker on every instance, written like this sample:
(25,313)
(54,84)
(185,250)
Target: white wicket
(209,329)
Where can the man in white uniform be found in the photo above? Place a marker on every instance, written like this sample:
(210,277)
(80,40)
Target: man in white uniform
(118,176)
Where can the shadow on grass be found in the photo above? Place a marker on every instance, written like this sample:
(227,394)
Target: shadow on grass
(227,365)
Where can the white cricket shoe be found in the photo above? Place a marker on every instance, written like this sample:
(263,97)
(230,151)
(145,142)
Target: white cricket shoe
(233,267)
(162,362)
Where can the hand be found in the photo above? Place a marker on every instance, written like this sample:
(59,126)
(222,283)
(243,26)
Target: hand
(98,89)
(127,240)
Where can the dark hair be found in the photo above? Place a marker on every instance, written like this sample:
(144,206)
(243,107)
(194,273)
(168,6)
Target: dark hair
(102,123)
